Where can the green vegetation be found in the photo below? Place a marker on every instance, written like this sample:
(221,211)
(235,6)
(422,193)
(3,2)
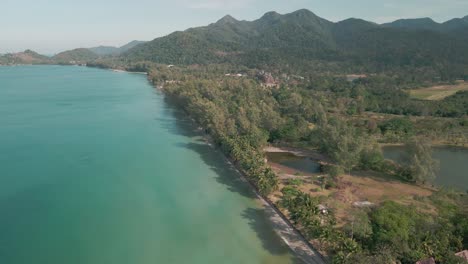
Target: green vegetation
(75,56)
(108,50)
(26,57)
(387,234)
(242,116)
(226,113)
(421,167)
(302,41)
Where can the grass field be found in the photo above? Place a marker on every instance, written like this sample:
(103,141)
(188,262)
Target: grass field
(439,92)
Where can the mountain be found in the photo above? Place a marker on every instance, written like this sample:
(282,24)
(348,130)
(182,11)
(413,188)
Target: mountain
(415,24)
(75,56)
(299,33)
(25,57)
(429,24)
(109,50)
(104,50)
(300,38)
(130,45)
(456,24)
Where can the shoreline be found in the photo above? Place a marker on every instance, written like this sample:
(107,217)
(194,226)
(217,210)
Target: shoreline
(124,71)
(292,237)
(434,145)
(296,242)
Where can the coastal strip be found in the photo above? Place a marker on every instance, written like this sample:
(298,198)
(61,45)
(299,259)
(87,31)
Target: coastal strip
(281,225)
(290,235)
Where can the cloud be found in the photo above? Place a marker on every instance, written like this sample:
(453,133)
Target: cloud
(217,4)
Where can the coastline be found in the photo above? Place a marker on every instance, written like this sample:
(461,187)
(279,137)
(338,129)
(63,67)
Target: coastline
(292,237)
(434,145)
(124,71)
(289,234)
(282,227)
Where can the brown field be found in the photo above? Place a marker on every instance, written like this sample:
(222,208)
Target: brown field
(358,187)
(438,92)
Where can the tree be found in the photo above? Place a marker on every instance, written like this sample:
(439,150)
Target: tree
(422,166)
(397,128)
(372,157)
(360,226)
(343,143)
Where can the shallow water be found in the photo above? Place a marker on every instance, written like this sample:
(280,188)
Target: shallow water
(453,168)
(96,167)
(303,164)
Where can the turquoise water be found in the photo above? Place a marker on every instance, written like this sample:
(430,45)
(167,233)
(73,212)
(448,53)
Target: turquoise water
(96,167)
(453,165)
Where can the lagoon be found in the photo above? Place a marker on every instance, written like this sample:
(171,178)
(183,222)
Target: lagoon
(453,165)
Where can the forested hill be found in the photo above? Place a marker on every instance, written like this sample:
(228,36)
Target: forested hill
(110,50)
(80,55)
(301,36)
(25,57)
(429,24)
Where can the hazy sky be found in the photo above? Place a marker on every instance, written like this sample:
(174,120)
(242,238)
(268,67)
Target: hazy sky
(50,26)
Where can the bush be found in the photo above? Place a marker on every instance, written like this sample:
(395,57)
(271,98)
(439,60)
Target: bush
(330,183)
(295,182)
(372,159)
(333,170)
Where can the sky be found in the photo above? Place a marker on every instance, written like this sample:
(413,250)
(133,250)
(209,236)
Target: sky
(51,26)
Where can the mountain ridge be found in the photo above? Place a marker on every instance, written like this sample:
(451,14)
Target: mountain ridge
(301,37)
(111,50)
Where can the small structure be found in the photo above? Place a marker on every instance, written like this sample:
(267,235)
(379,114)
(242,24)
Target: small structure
(323,209)
(170,66)
(427,261)
(363,204)
(234,74)
(463,254)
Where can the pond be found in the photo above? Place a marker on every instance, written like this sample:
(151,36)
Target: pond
(453,170)
(303,164)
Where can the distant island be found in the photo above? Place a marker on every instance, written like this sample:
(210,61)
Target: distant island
(79,56)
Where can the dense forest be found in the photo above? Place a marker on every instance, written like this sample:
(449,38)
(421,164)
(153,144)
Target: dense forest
(301,41)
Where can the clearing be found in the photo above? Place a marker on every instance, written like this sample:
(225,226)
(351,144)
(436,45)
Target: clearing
(361,186)
(440,92)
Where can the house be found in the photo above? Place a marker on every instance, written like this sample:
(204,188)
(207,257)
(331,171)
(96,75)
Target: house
(427,261)
(463,254)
